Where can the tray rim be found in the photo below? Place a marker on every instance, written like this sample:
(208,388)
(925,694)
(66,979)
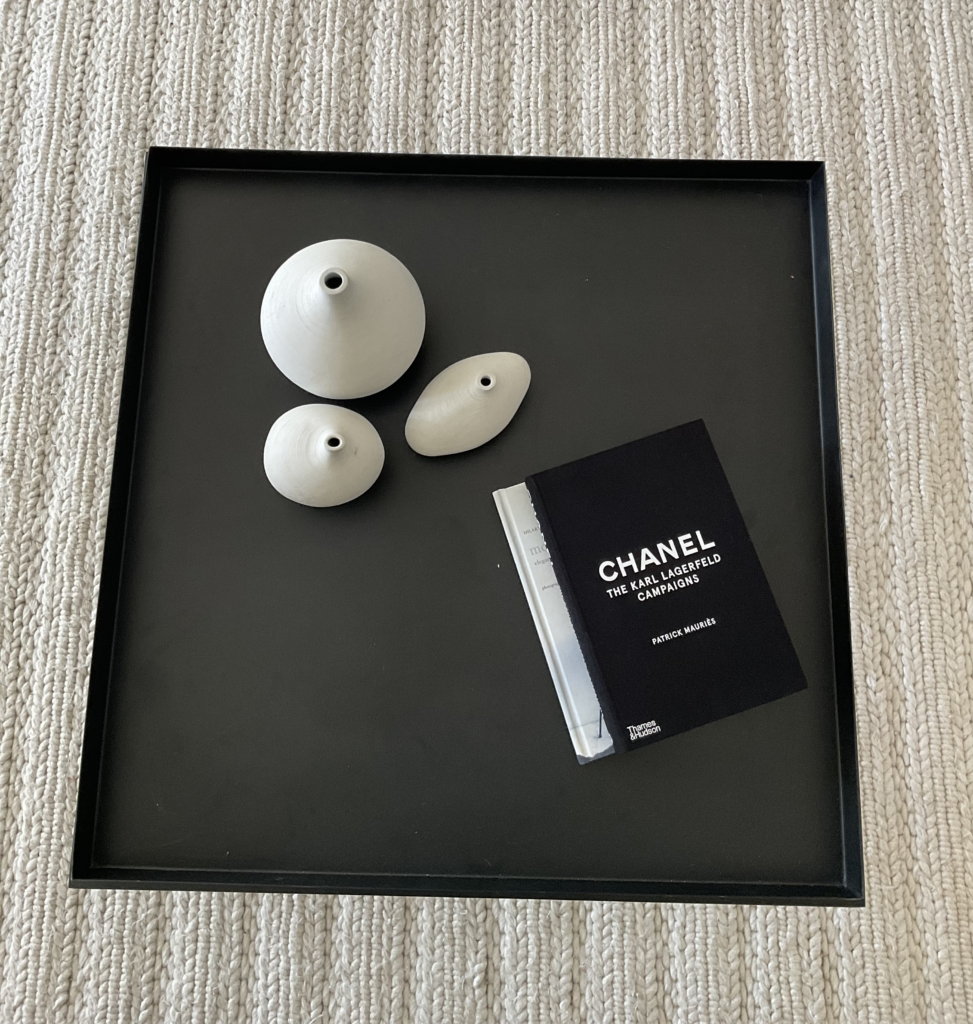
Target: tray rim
(85,873)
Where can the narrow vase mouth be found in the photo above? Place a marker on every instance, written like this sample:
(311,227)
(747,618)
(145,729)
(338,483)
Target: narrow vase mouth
(485,381)
(329,443)
(333,281)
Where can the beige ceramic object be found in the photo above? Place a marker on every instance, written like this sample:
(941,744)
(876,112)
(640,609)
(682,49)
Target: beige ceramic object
(323,455)
(468,403)
(342,319)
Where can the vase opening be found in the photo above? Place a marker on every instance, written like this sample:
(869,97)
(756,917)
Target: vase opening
(487,380)
(334,281)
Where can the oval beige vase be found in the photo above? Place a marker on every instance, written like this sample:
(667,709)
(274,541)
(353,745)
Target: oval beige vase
(342,318)
(323,455)
(468,403)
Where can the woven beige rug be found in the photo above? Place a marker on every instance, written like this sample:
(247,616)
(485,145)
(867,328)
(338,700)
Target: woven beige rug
(884,93)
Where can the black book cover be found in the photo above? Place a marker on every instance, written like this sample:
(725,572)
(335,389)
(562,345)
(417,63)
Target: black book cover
(673,612)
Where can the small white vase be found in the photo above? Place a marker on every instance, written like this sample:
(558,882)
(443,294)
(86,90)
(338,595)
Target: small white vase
(468,403)
(342,318)
(322,455)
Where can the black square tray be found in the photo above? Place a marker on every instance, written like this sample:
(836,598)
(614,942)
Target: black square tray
(354,699)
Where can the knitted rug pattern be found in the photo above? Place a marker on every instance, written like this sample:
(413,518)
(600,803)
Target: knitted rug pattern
(884,93)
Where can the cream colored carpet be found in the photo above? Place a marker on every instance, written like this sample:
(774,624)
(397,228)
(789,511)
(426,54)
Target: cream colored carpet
(884,93)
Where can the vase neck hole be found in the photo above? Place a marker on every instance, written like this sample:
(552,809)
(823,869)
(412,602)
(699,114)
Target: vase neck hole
(334,281)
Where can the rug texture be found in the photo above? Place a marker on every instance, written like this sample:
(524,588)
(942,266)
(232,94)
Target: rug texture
(884,93)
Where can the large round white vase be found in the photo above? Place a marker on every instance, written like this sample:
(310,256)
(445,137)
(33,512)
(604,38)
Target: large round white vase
(342,318)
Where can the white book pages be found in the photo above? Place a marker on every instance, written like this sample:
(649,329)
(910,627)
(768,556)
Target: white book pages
(575,691)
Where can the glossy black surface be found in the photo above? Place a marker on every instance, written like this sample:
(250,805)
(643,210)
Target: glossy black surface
(355,699)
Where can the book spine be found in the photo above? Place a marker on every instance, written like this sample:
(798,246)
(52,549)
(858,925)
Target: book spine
(573,687)
(577,619)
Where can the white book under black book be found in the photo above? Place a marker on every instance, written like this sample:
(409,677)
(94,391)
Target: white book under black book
(572,682)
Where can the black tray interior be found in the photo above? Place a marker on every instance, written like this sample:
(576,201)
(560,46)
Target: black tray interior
(355,699)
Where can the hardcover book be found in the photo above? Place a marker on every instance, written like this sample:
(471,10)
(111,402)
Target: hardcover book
(668,603)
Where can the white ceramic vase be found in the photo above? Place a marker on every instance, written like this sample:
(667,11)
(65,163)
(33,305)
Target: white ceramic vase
(342,318)
(322,455)
(468,403)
